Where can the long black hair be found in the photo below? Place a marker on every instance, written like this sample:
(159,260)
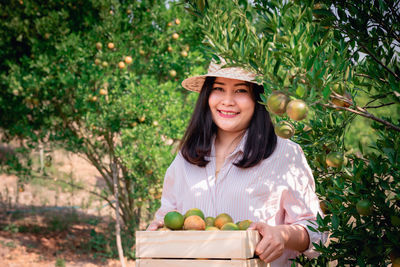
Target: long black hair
(196,142)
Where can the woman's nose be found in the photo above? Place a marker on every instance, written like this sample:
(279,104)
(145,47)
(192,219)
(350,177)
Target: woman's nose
(228,99)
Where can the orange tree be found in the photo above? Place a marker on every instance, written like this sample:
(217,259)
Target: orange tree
(307,52)
(102,79)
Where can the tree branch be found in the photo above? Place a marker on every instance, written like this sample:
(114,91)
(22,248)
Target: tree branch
(387,104)
(378,61)
(369,77)
(81,188)
(364,113)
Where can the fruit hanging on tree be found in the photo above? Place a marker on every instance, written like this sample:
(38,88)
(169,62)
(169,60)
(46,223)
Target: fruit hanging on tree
(128,59)
(110,45)
(284,129)
(99,46)
(172,73)
(175,36)
(335,159)
(297,109)
(277,102)
(121,65)
(364,207)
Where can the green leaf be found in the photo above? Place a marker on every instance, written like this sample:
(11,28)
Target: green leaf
(300,90)
(276,67)
(253,64)
(326,92)
(335,221)
(324,13)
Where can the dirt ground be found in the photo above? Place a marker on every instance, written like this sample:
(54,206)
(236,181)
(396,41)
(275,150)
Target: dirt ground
(47,222)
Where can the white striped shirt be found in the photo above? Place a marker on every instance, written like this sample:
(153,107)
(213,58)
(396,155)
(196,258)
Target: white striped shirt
(279,190)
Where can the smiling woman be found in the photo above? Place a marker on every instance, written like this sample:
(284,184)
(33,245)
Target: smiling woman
(246,171)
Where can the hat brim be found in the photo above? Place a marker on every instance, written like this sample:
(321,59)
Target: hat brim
(195,83)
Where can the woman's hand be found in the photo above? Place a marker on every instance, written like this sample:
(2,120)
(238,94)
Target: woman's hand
(272,243)
(155,225)
(276,238)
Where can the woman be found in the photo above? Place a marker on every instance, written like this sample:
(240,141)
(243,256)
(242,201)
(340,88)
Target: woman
(231,161)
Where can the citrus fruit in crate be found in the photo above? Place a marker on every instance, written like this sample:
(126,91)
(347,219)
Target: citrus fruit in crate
(243,225)
(229,226)
(194,211)
(173,220)
(194,222)
(210,221)
(222,219)
(212,228)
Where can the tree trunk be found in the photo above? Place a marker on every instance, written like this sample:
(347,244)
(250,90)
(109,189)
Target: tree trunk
(117,224)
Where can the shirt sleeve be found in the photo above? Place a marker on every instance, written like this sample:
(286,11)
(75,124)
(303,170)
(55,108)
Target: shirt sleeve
(300,202)
(168,198)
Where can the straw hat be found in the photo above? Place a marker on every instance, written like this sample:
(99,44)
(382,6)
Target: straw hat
(195,83)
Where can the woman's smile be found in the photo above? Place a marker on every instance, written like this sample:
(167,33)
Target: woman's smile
(227,113)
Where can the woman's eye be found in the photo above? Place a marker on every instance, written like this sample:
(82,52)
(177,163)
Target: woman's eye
(217,88)
(242,91)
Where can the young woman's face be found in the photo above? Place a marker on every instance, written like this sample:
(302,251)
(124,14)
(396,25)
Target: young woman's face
(231,104)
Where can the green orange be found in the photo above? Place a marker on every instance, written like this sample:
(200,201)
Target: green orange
(284,129)
(297,109)
(277,102)
(364,207)
(230,226)
(194,211)
(222,219)
(243,225)
(335,159)
(338,88)
(210,221)
(173,220)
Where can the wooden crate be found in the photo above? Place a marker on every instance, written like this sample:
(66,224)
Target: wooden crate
(199,263)
(196,244)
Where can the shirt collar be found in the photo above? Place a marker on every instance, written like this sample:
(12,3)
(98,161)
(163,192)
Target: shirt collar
(239,147)
(242,143)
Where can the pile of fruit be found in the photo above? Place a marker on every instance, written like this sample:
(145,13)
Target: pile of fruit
(194,219)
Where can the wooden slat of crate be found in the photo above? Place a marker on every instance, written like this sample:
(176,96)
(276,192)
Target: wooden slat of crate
(196,244)
(199,263)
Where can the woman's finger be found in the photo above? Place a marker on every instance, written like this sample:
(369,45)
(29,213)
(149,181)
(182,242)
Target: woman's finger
(262,245)
(151,227)
(256,226)
(272,253)
(263,254)
(154,226)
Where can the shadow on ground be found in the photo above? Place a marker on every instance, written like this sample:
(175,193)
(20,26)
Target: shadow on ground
(55,236)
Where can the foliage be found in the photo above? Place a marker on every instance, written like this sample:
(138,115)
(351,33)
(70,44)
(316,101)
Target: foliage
(103,244)
(68,83)
(12,228)
(60,262)
(303,49)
